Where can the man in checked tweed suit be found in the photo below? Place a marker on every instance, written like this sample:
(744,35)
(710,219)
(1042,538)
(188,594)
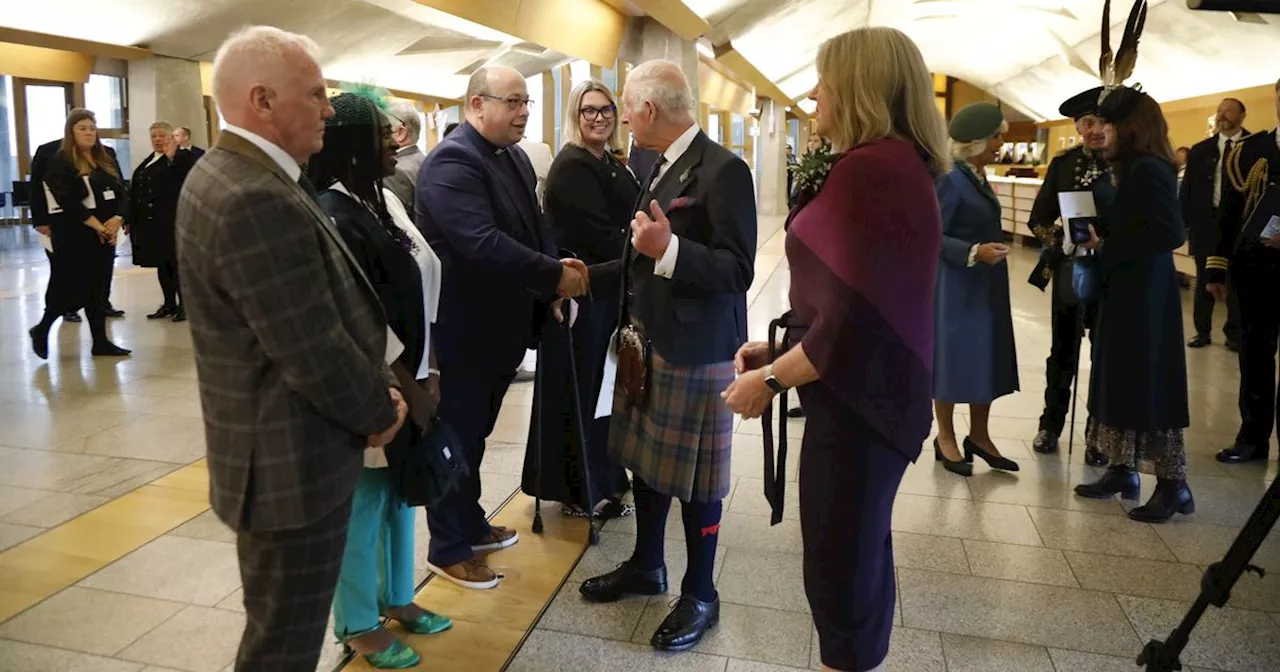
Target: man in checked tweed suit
(290,341)
(685,276)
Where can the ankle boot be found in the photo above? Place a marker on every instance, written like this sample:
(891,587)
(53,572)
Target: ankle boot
(1171,496)
(1117,479)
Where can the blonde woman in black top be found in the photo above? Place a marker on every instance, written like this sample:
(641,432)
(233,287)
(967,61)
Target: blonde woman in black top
(590,199)
(91,207)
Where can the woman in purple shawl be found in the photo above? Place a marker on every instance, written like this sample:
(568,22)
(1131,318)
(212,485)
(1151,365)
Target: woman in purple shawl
(863,251)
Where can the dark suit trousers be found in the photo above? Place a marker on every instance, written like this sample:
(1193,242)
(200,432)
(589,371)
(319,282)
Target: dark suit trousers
(1202,311)
(849,477)
(289,578)
(470,404)
(1257,280)
(1068,326)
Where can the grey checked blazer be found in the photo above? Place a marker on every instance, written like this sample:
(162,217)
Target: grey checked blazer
(289,342)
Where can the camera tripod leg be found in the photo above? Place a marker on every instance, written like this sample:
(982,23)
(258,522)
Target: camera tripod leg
(1219,579)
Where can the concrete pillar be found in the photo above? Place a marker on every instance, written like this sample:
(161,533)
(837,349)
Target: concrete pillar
(647,40)
(771,147)
(164,89)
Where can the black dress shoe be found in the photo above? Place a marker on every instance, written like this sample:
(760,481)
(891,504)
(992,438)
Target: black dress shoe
(623,581)
(1046,442)
(1240,453)
(796,412)
(71,317)
(111,311)
(163,312)
(994,461)
(39,341)
(1094,458)
(956,467)
(1200,342)
(1117,479)
(1169,498)
(1233,346)
(687,623)
(179,315)
(110,350)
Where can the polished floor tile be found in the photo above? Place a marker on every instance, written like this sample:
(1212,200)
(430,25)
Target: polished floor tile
(1019,563)
(971,654)
(118,621)
(179,569)
(196,639)
(1225,639)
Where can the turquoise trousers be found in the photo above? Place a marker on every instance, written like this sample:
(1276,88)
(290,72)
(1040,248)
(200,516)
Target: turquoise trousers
(377,566)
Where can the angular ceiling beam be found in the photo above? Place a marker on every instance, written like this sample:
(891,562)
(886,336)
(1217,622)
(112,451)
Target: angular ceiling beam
(590,30)
(44,41)
(730,58)
(676,16)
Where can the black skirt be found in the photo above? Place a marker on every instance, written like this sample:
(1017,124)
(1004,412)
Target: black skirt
(560,477)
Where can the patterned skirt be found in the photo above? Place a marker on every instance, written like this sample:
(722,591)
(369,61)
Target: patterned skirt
(680,441)
(1160,452)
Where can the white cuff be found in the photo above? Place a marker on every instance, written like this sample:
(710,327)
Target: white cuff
(666,266)
(973,256)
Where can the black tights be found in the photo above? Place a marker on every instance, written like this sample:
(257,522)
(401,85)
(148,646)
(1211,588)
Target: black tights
(167,273)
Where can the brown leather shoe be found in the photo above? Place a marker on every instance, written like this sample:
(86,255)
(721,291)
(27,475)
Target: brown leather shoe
(497,539)
(473,574)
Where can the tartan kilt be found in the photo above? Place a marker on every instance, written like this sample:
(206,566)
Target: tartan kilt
(680,442)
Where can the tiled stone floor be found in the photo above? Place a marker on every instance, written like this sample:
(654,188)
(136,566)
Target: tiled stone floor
(997,572)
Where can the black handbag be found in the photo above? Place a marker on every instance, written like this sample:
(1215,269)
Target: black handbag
(427,466)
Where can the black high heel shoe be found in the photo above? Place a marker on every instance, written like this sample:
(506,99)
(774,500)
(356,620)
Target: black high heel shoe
(994,461)
(1116,479)
(956,467)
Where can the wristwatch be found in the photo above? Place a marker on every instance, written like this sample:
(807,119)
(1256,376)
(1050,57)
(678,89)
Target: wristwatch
(772,381)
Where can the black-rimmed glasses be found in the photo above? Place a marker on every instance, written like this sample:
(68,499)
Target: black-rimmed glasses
(513,103)
(592,113)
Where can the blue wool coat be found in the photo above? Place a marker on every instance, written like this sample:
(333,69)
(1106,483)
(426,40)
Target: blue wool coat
(974,360)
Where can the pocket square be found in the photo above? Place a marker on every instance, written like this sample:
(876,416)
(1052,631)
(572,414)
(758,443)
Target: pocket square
(682,202)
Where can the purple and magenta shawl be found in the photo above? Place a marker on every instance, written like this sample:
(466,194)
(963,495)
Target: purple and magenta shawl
(863,255)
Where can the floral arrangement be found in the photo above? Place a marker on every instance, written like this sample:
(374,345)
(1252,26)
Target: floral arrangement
(810,173)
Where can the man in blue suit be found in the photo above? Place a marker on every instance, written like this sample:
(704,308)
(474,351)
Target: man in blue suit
(475,205)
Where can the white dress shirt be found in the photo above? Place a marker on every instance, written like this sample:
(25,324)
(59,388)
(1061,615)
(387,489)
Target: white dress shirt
(281,157)
(666,266)
(1222,156)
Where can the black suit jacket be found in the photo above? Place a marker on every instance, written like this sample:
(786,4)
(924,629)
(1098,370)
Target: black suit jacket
(699,315)
(153,206)
(497,255)
(39,167)
(1196,195)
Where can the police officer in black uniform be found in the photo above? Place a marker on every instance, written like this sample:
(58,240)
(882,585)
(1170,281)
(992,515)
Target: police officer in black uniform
(1253,261)
(1073,170)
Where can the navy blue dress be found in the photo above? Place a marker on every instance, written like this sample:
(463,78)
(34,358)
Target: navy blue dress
(974,359)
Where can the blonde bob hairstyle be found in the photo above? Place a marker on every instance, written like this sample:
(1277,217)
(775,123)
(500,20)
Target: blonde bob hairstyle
(572,125)
(963,151)
(879,87)
(163,125)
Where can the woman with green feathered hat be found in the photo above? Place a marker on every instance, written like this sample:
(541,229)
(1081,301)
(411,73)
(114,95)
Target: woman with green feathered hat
(358,153)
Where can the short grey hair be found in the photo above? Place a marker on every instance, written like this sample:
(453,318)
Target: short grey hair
(407,114)
(963,151)
(254,49)
(161,124)
(572,127)
(661,83)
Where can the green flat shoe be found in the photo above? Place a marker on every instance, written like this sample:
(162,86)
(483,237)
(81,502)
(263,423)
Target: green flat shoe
(398,656)
(427,624)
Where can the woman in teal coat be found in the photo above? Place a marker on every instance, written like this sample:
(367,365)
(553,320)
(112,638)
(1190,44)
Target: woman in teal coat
(974,359)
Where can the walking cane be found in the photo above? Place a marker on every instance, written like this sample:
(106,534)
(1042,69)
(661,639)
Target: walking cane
(584,466)
(538,391)
(1075,381)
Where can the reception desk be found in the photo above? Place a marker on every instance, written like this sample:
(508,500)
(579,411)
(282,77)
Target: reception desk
(1017,194)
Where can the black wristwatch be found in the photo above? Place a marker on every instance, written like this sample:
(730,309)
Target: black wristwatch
(772,381)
